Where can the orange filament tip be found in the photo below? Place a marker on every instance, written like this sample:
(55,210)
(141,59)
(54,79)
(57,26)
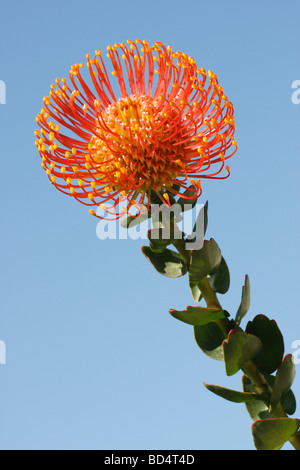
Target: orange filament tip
(91,211)
(166,197)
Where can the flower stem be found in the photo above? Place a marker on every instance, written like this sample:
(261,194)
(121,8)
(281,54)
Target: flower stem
(185,254)
(212,301)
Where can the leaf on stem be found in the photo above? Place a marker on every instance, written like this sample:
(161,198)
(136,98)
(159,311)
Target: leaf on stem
(130,221)
(196,293)
(258,409)
(271,434)
(219,280)
(209,338)
(159,239)
(238,349)
(200,227)
(273,345)
(283,380)
(198,316)
(232,395)
(245,301)
(261,408)
(204,261)
(168,263)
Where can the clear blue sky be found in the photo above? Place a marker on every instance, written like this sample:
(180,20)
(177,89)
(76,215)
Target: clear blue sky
(94,360)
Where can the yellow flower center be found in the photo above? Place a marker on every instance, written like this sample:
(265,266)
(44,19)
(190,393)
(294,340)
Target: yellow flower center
(139,144)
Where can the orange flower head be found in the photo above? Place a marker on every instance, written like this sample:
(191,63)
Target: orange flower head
(157,130)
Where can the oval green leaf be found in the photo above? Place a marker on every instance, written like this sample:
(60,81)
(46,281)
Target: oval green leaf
(220,279)
(238,349)
(168,263)
(272,340)
(283,380)
(209,339)
(204,261)
(271,434)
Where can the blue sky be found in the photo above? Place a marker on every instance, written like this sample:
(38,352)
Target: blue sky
(94,360)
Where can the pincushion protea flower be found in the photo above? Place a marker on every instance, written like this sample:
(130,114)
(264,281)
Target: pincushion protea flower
(171,123)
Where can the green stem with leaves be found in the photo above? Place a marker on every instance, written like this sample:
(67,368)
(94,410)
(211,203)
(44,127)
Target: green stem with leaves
(258,351)
(250,369)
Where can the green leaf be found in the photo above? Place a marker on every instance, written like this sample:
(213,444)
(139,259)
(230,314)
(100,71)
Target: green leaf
(168,263)
(204,261)
(157,239)
(196,293)
(245,301)
(185,203)
(220,279)
(132,221)
(198,316)
(238,349)
(283,380)
(273,345)
(271,434)
(209,339)
(288,402)
(232,395)
(202,216)
(195,240)
(258,409)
